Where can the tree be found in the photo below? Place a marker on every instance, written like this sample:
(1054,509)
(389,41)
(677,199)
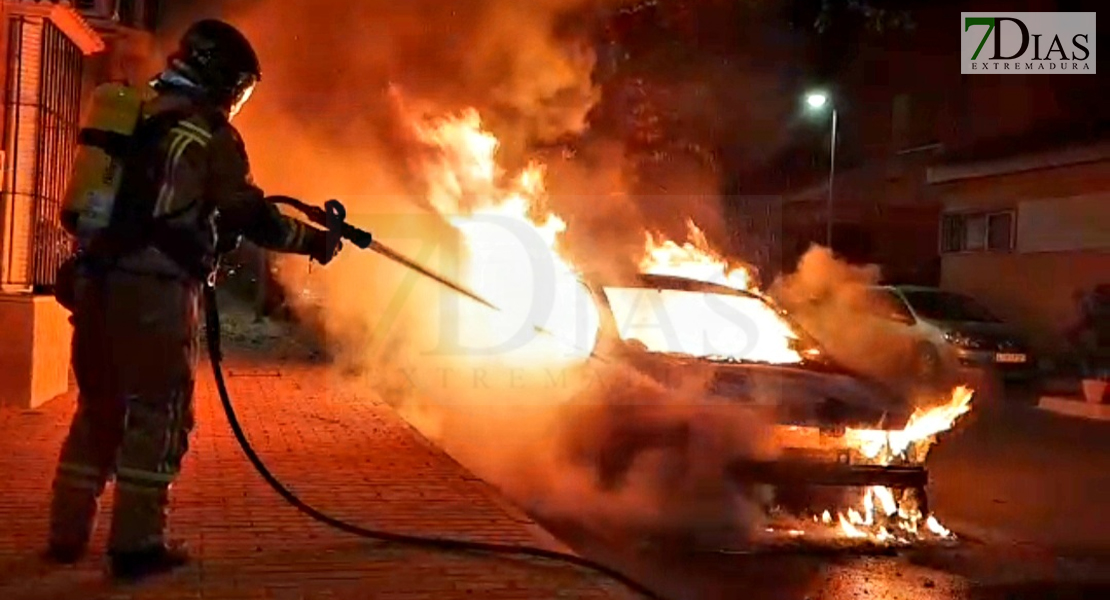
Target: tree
(820,15)
(876,16)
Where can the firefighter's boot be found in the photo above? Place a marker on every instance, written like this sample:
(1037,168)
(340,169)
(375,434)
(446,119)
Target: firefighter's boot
(63,554)
(137,564)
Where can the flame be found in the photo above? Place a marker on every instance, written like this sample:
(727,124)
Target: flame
(936,528)
(512,256)
(923,425)
(883,515)
(694,259)
(704,325)
(884,518)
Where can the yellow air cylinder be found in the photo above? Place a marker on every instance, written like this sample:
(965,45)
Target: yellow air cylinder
(94,183)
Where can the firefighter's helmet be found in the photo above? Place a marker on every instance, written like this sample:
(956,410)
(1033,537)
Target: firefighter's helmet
(220,59)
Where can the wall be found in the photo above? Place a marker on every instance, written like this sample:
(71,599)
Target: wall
(1033,286)
(34,356)
(1033,291)
(35,353)
(1065,224)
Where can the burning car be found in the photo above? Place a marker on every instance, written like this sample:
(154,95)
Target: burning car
(834,428)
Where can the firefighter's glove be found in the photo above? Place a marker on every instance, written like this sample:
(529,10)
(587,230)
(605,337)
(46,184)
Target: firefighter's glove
(323,245)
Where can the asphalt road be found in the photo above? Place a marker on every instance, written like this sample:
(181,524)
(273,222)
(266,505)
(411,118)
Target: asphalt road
(1025,491)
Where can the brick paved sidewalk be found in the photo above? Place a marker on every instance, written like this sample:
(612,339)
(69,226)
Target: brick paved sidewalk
(341,451)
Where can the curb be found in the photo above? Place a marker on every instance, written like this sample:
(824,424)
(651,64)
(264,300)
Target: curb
(1071,407)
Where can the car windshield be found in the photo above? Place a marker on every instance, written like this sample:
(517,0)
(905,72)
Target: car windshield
(888,305)
(703,323)
(947,306)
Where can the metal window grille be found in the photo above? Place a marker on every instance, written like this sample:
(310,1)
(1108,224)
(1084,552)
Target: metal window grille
(127,12)
(59,106)
(15,110)
(152,14)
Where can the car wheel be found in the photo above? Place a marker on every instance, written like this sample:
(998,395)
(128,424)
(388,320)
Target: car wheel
(926,363)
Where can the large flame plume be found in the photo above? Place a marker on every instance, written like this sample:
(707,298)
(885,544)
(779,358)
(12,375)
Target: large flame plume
(511,244)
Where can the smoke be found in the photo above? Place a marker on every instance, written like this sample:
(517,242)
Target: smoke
(645,445)
(840,305)
(605,445)
(529,69)
(598,444)
(328,64)
(594,189)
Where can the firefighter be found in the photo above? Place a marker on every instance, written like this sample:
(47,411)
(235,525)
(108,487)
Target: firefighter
(136,297)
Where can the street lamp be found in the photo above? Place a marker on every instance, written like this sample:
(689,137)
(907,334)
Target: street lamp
(817,101)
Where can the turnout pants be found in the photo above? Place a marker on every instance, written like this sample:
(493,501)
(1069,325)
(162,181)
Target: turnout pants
(135,351)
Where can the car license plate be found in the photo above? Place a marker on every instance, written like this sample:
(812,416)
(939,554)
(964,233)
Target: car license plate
(1009,358)
(842,457)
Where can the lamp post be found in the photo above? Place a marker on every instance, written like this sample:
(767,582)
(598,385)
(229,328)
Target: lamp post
(817,101)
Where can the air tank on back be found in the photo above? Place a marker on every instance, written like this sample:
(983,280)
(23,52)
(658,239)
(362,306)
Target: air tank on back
(94,183)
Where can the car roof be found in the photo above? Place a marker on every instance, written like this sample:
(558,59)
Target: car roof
(911,288)
(669,282)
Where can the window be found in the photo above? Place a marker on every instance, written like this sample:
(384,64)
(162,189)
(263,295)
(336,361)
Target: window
(977,232)
(125,9)
(887,305)
(948,306)
(951,234)
(152,14)
(1000,229)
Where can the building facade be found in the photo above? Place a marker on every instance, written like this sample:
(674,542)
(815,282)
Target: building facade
(55,52)
(127,28)
(1026,233)
(925,153)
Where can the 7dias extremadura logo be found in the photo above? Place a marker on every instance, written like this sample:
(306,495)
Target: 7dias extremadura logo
(1027,42)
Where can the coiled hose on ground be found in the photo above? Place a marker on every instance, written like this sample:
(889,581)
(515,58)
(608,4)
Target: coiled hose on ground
(212,325)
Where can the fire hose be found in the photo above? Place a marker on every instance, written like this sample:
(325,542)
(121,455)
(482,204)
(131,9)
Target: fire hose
(333,218)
